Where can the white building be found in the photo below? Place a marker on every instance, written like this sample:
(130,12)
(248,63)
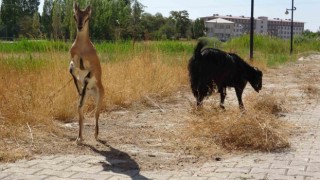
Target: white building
(222,29)
(262,25)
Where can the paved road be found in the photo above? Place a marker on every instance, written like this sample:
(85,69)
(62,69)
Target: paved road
(301,162)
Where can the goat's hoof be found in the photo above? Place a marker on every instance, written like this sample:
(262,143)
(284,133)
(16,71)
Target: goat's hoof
(96,136)
(222,107)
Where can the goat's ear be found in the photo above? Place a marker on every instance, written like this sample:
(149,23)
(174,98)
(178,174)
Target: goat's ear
(89,10)
(258,71)
(75,6)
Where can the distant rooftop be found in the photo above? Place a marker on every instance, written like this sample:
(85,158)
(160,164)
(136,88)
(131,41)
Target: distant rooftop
(248,18)
(220,20)
(228,16)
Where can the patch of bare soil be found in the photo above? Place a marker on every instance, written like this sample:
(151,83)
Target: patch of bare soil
(154,134)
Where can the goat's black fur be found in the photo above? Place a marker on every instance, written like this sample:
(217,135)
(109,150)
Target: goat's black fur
(211,69)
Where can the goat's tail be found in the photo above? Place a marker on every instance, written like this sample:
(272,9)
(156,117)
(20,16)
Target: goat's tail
(197,51)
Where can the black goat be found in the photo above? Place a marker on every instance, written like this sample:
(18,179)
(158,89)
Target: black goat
(211,68)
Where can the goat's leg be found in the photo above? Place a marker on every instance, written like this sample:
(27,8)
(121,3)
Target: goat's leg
(200,98)
(99,101)
(239,92)
(223,95)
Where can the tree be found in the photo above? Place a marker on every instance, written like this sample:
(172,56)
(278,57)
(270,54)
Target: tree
(29,7)
(56,19)
(123,20)
(198,28)
(36,25)
(10,15)
(151,25)
(168,30)
(25,26)
(46,18)
(68,24)
(309,34)
(25,23)
(137,10)
(182,22)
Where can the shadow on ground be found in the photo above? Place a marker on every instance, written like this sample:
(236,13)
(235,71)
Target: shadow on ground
(118,161)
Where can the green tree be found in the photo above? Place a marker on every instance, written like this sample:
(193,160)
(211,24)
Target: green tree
(198,28)
(123,19)
(36,25)
(46,18)
(110,19)
(25,26)
(25,23)
(135,27)
(56,20)
(10,15)
(309,34)
(168,30)
(182,22)
(29,7)
(151,25)
(68,24)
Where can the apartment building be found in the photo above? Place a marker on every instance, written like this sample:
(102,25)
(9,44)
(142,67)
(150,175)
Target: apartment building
(262,25)
(220,28)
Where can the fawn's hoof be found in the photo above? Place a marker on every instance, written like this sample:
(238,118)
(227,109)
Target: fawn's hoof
(79,140)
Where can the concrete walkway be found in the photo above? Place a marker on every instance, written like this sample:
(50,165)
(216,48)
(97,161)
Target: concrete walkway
(301,162)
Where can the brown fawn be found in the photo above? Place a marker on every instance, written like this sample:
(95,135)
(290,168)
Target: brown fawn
(85,68)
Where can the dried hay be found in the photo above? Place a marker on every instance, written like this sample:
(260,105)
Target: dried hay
(258,128)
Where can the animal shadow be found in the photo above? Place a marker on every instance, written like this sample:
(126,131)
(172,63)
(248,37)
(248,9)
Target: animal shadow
(118,161)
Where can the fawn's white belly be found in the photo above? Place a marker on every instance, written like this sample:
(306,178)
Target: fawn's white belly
(81,75)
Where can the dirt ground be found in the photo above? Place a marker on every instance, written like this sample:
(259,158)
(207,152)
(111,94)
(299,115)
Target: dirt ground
(152,134)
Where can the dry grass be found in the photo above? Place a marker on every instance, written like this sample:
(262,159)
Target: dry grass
(309,86)
(132,81)
(310,89)
(36,92)
(256,129)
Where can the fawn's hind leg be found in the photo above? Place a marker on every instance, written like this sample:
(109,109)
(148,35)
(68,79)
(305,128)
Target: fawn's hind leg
(83,97)
(99,101)
(76,82)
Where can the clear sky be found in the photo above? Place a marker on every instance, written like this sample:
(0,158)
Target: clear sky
(308,11)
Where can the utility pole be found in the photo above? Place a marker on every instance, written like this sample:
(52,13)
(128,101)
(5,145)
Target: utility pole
(291,37)
(251,30)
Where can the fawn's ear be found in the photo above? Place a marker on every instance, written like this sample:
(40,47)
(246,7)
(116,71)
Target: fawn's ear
(75,6)
(89,10)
